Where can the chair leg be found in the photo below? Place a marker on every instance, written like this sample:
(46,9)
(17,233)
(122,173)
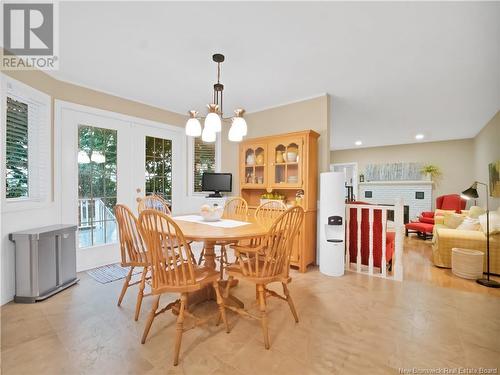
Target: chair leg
(180,328)
(263,315)
(228,286)
(201,256)
(222,261)
(140,295)
(222,308)
(151,317)
(290,302)
(125,286)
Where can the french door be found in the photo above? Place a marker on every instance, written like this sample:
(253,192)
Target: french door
(109,159)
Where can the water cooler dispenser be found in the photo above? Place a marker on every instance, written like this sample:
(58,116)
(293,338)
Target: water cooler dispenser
(332,224)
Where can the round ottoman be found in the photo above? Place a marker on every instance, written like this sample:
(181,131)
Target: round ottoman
(466,263)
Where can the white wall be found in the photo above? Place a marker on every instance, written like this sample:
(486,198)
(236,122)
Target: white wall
(51,213)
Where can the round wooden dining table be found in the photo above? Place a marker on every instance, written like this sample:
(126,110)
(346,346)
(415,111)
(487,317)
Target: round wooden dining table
(210,235)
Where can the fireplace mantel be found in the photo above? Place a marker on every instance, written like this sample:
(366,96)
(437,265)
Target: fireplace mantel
(417,195)
(417,182)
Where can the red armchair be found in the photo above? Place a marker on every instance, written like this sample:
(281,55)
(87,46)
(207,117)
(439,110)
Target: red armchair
(444,202)
(365,237)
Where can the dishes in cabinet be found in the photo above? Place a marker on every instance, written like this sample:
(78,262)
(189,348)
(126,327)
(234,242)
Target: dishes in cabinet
(291,156)
(259,160)
(250,159)
(279,157)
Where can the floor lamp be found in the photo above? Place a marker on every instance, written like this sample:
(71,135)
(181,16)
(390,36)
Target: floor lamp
(471,193)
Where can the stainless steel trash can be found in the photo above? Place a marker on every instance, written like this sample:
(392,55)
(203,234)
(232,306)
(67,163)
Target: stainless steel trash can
(45,261)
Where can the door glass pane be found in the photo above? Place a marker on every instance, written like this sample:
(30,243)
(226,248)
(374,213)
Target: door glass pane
(159,167)
(96,185)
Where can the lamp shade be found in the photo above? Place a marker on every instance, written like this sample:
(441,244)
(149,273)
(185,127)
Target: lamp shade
(235,134)
(208,136)
(470,193)
(241,125)
(213,122)
(193,127)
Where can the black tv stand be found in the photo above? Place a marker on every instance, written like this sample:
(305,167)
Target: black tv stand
(216,194)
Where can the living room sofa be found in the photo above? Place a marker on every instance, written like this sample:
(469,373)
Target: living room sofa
(445,239)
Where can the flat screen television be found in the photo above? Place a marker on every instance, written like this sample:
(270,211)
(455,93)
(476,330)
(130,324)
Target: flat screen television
(216,182)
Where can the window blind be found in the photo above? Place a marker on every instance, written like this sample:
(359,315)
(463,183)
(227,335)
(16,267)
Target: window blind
(16,148)
(27,156)
(204,161)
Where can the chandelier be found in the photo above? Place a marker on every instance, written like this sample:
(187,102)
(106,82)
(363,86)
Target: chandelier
(213,120)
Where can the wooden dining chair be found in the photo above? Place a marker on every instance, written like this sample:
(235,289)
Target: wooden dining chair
(269,211)
(153,202)
(267,263)
(173,270)
(236,209)
(133,253)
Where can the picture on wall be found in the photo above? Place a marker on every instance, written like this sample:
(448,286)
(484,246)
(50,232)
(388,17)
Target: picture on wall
(494,169)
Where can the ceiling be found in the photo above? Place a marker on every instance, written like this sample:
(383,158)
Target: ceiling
(393,69)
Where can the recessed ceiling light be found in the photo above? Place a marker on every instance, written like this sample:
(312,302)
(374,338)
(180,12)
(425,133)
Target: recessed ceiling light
(358,143)
(419,136)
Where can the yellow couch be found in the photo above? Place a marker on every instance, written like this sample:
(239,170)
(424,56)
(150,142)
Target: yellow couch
(444,239)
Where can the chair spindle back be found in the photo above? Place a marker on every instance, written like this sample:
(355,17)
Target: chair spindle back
(153,202)
(277,247)
(235,208)
(268,212)
(132,246)
(171,260)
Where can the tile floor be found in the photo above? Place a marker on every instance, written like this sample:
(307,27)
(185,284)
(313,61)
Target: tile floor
(349,325)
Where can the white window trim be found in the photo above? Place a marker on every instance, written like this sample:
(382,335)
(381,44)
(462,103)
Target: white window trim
(19,90)
(190,161)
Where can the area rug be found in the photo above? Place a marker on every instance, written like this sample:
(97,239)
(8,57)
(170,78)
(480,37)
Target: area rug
(110,272)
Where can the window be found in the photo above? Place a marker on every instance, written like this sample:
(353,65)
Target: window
(26,136)
(97,159)
(16,178)
(204,160)
(159,167)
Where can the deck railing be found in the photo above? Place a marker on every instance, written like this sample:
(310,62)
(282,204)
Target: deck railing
(398,227)
(93,213)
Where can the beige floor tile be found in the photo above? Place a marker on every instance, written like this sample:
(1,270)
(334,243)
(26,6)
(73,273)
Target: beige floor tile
(349,325)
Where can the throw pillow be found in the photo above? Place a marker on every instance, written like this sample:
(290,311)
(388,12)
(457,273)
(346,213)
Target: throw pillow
(439,212)
(469,223)
(494,222)
(452,221)
(476,211)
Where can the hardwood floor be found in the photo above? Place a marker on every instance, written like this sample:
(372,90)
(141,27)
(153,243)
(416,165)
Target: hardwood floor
(418,267)
(348,325)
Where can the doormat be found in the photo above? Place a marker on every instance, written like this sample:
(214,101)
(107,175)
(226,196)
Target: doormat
(111,272)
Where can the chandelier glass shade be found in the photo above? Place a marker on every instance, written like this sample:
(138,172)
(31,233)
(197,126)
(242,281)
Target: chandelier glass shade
(213,120)
(193,126)
(208,136)
(235,134)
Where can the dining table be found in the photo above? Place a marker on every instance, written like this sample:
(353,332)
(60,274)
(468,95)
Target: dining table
(238,228)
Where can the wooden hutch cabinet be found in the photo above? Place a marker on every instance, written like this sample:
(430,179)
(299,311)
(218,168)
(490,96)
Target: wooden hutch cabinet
(286,164)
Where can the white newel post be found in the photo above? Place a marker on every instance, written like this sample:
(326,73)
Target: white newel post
(398,244)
